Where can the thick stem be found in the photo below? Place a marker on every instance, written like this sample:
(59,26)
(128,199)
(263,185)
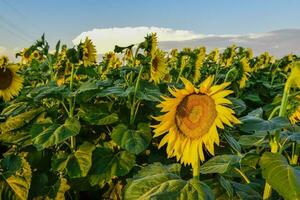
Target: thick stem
(284,100)
(267,192)
(196,170)
(134,103)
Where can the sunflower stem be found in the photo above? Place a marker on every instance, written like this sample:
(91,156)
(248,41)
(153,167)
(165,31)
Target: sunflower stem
(133,110)
(196,170)
(284,100)
(71,107)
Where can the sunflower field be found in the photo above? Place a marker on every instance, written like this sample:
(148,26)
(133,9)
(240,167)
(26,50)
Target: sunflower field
(148,124)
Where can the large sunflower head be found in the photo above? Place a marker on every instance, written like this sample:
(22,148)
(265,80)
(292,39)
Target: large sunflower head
(88,52)
(10,82)
(158,68)
(191,119)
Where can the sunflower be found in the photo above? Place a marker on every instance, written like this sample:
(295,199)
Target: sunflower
(198,64)
(158,68)
(36,55)
(294,117)
(3,61)
(89,52)
(294,77)
(191,120)
(10,82)
(245,72)
(25,56)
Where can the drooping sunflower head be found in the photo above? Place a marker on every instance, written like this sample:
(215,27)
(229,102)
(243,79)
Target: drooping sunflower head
(213,55)
(191,118)
(158,68)
(244,72)
(3,61)
(10,82)
(227,56)
(151,44)
(88,52)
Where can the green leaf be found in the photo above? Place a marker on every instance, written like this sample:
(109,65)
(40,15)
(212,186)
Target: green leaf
(16,122)
(219,164)
(253,122)
(284,178)
(158,182)
(257,139)
(54,134)
(15,185)
(148,92)
(106,165)
(119,49)
(117,91)
(134,141)
(238,105)
(50,90)
(80,162)
(58,190)
(98,115)
(21,138)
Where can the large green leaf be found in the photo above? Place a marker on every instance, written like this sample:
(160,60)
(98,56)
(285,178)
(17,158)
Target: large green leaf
(159,182)
(134,141)
(49,91)
(21,138)
(15,179)
(284,178)
(219,164)
(57,191)
(18,121)
(80,162)
(253,122)
(44,136)
(98,115)
(107,164)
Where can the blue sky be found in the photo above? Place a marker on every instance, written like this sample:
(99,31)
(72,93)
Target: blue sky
(21,22)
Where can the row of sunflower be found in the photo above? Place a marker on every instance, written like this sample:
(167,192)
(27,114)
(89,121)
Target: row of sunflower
(148,124)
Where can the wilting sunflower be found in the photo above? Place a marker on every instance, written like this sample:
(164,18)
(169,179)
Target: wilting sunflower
(245,72)
(191,120)
(158,68)
(10,82)
(88,52)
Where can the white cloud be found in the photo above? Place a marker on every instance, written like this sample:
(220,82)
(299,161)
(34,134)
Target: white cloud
(10,53)
(106,38)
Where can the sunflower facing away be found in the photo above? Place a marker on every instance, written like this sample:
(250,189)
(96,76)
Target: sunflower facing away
(191,120)
(158,68)
(245,72)
(10,82)
(88,52)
